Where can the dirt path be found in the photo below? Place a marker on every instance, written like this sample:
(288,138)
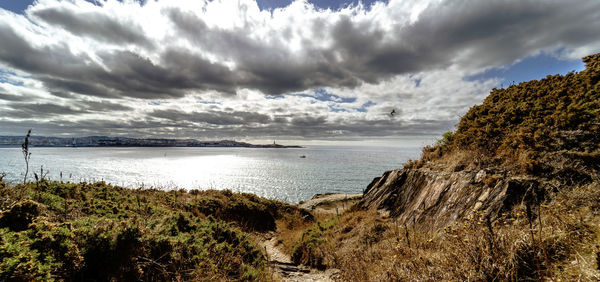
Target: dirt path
(281,263)
(284,269)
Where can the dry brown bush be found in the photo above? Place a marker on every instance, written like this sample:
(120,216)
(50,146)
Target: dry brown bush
(555,240)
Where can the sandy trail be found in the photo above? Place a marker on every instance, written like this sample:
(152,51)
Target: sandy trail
(281,264)
(283,269)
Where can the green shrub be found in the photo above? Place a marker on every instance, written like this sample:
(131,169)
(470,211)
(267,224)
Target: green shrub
(446,138)
(308,249)
(82,231)
(20,215)
(536,116)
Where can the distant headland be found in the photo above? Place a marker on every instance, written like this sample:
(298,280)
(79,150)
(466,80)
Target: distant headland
(106,141)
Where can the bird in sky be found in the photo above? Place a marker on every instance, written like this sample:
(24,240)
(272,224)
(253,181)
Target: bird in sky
(393,112)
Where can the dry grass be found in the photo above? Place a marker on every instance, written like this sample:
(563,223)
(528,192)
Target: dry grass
(289,231)
(557,240)
(546,129)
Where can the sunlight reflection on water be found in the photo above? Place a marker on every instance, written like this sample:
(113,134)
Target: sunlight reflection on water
(273,173)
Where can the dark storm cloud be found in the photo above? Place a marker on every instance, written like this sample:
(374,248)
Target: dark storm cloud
(103,106)
(192,72)
(39,110)
(99,26)
(471,34)
(221,118)
(81,127)
(56,66)
(257,125)
(135,76)
(368,56)
(118,66)
(29,110)
(128,74)
(468,33)
(63,94)
(308,121)
(498,32)
(173,124)
(348,129)
(10,97)
(16,52)
(267,66)
(61,87)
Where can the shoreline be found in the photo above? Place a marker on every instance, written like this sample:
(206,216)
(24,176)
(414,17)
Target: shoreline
(111,141)
(150,146)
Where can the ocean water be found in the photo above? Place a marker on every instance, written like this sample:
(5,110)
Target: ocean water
(274,173)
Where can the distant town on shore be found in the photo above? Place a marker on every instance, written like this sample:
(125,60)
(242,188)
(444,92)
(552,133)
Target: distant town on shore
(106,141)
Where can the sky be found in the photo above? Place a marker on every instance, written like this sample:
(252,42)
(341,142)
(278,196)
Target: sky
(303,72)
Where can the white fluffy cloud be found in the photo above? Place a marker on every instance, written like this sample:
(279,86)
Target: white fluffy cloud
(226,69)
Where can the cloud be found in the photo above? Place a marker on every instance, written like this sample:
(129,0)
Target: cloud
(103,106)
(38,110)
(212,118)
(149,68)
(96,24)
(10,97)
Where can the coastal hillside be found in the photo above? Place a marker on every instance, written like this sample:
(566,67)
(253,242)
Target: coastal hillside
(512,194)
(518,128)
(52,230)
(523,142)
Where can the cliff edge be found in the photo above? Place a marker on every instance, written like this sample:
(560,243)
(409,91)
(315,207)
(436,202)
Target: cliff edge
(521,145)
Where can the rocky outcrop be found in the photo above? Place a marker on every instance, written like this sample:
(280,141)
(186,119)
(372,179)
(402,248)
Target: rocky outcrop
(437,198)
(521,143)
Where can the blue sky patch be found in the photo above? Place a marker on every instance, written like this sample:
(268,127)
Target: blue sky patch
(530,68)
(418,82)
(323,4)
(4,78)
(363,108)
(18,6)
(322,95)
(336,109)
(209,102)
(157,103)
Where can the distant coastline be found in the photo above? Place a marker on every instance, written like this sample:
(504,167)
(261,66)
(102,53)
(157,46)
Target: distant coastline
(106,141)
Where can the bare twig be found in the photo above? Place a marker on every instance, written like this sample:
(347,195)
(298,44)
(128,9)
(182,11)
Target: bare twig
(406,234)
(26,154)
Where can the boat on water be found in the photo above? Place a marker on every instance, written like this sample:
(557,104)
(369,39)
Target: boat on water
(303,157)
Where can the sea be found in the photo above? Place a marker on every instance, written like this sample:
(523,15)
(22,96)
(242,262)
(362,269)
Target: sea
(287,174)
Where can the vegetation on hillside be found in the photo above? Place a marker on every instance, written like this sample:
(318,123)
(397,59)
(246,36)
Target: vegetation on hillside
(93,231)
(546,130)
(558,240)
(307,250)
(515,126)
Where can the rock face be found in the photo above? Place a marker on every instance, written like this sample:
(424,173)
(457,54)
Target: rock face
(438,198)
(520,144)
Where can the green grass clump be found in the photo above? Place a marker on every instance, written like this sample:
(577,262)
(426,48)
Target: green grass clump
(80,231)
(308,250)
(250,211)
